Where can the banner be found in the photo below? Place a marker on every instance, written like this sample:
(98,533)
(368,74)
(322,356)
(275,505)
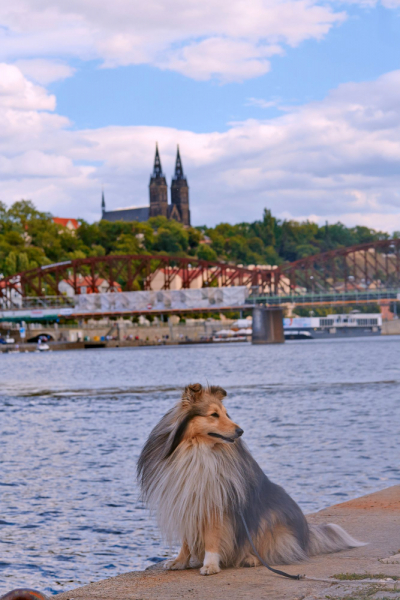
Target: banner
(204,298)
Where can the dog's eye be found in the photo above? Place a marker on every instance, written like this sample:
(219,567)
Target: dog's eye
(215,415)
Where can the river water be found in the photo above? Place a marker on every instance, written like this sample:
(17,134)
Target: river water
(321,417)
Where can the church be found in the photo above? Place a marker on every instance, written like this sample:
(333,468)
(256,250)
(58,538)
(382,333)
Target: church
(177,210)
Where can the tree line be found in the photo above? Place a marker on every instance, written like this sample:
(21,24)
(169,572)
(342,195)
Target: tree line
(29,238)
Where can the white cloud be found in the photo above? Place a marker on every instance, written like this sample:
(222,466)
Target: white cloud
(17,92)
(261,103)
(44,71)
(391,4)
(213,38)
(334,159)
(228,60)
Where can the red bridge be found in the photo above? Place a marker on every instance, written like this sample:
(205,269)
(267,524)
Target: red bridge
(371,266)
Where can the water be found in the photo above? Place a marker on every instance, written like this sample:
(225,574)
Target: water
(321,417)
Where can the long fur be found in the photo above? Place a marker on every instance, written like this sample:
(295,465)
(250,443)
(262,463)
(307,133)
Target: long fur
(189,484)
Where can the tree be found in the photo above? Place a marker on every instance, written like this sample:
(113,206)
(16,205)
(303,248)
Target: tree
(205,252)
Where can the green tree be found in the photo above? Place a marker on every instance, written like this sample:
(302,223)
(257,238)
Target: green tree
(205,252)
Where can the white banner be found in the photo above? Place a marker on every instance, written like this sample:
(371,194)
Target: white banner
(204,298)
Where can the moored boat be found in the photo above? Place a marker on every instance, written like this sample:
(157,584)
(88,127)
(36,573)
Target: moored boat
(353,324)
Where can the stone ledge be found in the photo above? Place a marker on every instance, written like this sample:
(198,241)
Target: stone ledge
(374,518)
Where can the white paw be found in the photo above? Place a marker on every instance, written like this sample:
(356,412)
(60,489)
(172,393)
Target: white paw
(211,564)
(174,565)
(210,569)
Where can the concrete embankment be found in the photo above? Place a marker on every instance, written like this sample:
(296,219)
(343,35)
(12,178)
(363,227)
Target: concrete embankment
(374,518)
(391,327)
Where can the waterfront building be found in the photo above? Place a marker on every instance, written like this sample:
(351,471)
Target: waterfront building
(85,285)
(158,192)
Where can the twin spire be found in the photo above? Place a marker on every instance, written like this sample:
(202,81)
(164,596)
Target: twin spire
(157,171)
(178,209)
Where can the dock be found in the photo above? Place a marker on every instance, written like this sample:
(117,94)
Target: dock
(374,518)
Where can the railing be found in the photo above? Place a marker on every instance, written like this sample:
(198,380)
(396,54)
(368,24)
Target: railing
(38,302)
(355,296)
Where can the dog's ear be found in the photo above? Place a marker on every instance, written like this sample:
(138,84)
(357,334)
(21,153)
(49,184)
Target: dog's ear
(178,435)
(217,391)
(192,393)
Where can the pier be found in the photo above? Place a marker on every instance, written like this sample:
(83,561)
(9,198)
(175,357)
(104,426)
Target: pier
(374,518)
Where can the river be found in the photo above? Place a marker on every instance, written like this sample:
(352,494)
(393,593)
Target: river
(321,417)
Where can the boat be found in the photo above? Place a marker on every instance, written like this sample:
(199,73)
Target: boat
(42,347)
(353,324)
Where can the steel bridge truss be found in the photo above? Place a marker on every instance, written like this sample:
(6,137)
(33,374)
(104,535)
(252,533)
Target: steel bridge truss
(127,273)
(370,266)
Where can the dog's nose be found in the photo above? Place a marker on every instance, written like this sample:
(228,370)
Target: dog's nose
(239,431)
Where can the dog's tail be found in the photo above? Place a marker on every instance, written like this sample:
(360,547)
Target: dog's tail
(330,538)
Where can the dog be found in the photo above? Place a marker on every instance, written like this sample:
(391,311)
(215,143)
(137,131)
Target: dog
(197,475)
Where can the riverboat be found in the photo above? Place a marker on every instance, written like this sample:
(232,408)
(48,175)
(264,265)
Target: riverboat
(354,324)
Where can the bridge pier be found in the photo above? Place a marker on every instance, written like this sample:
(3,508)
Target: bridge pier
(267,326)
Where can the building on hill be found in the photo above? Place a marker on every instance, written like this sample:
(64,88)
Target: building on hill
(71,224)
(132,213)
(158,191)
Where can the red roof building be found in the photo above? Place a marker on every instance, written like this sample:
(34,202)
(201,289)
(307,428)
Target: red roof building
(71,224)
(85,286)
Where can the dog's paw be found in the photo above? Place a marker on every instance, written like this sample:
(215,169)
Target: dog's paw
(211,564)
(194,562)
(251,561)
(210,569)
(174,565)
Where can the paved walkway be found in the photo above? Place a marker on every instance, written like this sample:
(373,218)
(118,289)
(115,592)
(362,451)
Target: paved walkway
(374,518)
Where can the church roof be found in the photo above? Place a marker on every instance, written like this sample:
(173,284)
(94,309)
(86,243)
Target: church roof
(137,213)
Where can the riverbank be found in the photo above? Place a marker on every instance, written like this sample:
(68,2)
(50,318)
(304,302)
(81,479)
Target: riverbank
(56,346)
(374,518)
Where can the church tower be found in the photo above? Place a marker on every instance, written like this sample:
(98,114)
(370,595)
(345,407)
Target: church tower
(158,190)
(180,192)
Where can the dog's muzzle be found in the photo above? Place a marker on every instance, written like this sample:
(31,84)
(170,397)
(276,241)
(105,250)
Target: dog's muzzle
(238,432)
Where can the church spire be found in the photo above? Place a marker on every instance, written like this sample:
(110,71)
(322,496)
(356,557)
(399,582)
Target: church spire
(157,171)
(158,189)
(180,192)
(103,202)
(178,166)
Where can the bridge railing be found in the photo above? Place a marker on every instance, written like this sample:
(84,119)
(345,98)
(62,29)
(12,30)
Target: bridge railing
(354,296)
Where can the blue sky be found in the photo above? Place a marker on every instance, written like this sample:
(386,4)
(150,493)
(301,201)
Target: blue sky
(292,105)
(365,46)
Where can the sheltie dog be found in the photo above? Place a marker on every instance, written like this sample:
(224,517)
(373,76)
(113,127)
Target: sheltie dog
(197,475)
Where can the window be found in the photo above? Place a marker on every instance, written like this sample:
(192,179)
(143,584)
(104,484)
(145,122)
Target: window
(326,322)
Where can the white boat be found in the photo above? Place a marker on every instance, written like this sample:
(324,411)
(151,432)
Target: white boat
(352,324)
(42,347)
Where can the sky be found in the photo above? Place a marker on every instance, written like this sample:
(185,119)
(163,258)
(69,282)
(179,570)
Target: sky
(290,105)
